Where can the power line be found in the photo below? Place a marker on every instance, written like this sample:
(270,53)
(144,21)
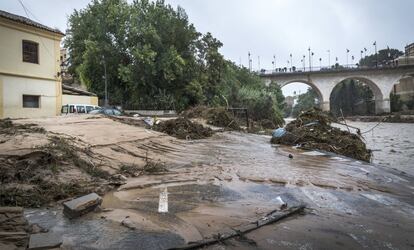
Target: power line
(26,10)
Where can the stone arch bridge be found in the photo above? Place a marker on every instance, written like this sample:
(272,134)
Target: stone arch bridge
(380,80)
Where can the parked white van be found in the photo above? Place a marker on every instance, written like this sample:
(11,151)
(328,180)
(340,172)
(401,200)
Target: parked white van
(78,108)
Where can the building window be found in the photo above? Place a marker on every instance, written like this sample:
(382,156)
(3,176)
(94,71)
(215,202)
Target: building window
(31,101)
(30,52)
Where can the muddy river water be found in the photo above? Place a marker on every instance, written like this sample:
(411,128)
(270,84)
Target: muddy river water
(392,143)
(234,178)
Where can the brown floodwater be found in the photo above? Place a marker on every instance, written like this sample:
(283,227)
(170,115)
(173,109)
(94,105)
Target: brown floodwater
(392,143)
(234,179)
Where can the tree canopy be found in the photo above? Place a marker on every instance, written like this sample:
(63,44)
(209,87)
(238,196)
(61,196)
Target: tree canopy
(155,58)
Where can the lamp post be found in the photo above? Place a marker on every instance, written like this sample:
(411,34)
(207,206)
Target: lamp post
(376,54)
(291,63)
(329,57)
(310,63)
(347,53)
(352,59)
(320,63)
(274,60)
(250,61)
(361,54)
(312,58)
(273,65)
(304,63)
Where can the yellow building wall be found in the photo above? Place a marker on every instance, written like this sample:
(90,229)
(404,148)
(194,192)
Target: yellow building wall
(79,99)
(15,87)
(18,77)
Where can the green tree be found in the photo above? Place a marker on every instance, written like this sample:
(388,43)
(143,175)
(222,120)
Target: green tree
(155,58)
(305,101)
(384,56)
(353,98)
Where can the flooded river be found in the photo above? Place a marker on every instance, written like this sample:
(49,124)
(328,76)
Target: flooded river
(392,143)
(234,179)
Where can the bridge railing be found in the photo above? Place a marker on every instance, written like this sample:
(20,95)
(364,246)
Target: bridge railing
(333,68)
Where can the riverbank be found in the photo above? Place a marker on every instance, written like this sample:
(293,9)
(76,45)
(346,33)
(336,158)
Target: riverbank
(392,118)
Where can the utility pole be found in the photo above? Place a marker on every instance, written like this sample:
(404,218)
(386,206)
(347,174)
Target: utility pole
(106,82)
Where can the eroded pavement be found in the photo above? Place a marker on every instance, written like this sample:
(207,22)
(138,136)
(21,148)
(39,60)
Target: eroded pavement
(229,180)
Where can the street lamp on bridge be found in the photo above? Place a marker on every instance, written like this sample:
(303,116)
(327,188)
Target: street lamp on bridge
(376,54)
(347,53)
(320,63)
(329,57)
(310,63)
(312,58)
(304,63)
(291,63)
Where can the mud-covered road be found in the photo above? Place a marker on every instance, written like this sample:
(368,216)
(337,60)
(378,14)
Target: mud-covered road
(235,178)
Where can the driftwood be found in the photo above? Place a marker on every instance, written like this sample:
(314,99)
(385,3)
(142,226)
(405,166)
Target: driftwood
(270,218)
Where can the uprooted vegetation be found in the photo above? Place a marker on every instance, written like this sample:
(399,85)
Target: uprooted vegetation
(219,117)
(7,127)
(312,130)
(151,167)
(183,128)
(47,174)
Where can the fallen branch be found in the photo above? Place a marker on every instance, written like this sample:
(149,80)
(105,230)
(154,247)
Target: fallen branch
(270,218)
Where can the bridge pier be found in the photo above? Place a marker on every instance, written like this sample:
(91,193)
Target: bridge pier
(325,106)
(382,106)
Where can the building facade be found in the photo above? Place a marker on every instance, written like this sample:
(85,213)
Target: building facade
(30,82)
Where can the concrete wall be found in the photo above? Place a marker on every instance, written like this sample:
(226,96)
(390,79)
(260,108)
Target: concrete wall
(78,99)
(12,91)
(18,77)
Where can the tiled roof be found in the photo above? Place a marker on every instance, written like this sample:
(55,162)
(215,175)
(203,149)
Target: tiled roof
(75,91)
(27,21)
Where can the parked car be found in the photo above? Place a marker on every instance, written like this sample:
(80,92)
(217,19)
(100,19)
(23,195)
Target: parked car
(106,111)
(78,108)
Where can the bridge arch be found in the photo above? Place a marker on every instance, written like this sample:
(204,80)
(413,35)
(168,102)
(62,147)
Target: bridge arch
(374,87)
(321,99)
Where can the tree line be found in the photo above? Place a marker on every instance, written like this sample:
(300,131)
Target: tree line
(155,58)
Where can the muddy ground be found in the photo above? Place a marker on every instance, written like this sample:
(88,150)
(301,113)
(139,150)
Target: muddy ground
(221,182)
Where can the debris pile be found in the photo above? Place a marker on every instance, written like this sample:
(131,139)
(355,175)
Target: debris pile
(7,127)
(41,176)
(218,116)
(312,130)
(183,128)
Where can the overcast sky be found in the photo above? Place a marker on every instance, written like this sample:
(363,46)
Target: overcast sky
(275,27)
